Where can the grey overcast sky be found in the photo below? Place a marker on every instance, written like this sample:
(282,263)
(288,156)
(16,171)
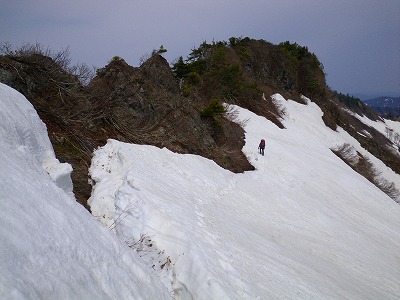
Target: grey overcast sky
(358,41)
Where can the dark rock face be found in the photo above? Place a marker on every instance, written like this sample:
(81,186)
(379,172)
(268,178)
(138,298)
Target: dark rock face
(148,108)
(140,105)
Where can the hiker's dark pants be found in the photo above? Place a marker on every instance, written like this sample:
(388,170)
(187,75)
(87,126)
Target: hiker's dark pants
(262,151)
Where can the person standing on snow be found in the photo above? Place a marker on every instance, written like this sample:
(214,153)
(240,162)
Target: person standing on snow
(261,147)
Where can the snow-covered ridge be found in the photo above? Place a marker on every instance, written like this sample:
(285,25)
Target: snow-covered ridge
(50,246)
(303,225)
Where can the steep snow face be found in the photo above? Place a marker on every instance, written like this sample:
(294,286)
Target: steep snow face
(381,126)
(302,225)
(50,246)
(390,129)
(21,128)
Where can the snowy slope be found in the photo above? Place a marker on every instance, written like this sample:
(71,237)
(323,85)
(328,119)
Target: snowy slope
(50,246)
(303,225)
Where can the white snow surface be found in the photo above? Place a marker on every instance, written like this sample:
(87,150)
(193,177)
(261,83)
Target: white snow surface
(50,246)
(303,225)
(22,129)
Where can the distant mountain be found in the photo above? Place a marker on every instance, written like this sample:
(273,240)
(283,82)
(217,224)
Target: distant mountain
(389,102)
(386,106)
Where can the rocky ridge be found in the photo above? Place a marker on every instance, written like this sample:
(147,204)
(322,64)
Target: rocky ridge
(174,107)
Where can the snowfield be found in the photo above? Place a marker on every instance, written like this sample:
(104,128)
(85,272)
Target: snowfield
(50,246)
(303,225)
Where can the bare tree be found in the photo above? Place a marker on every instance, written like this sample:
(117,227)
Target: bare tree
(389,133)
(397,139)
(62,58)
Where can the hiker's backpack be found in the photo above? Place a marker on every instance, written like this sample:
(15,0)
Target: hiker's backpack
(262,144)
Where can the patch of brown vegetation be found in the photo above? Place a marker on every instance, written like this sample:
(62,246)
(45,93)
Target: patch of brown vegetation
(364,167)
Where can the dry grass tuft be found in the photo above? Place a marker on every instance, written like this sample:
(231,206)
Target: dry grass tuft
(365,167)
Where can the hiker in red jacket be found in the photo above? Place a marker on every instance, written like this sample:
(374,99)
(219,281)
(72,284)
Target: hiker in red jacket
(261,147)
